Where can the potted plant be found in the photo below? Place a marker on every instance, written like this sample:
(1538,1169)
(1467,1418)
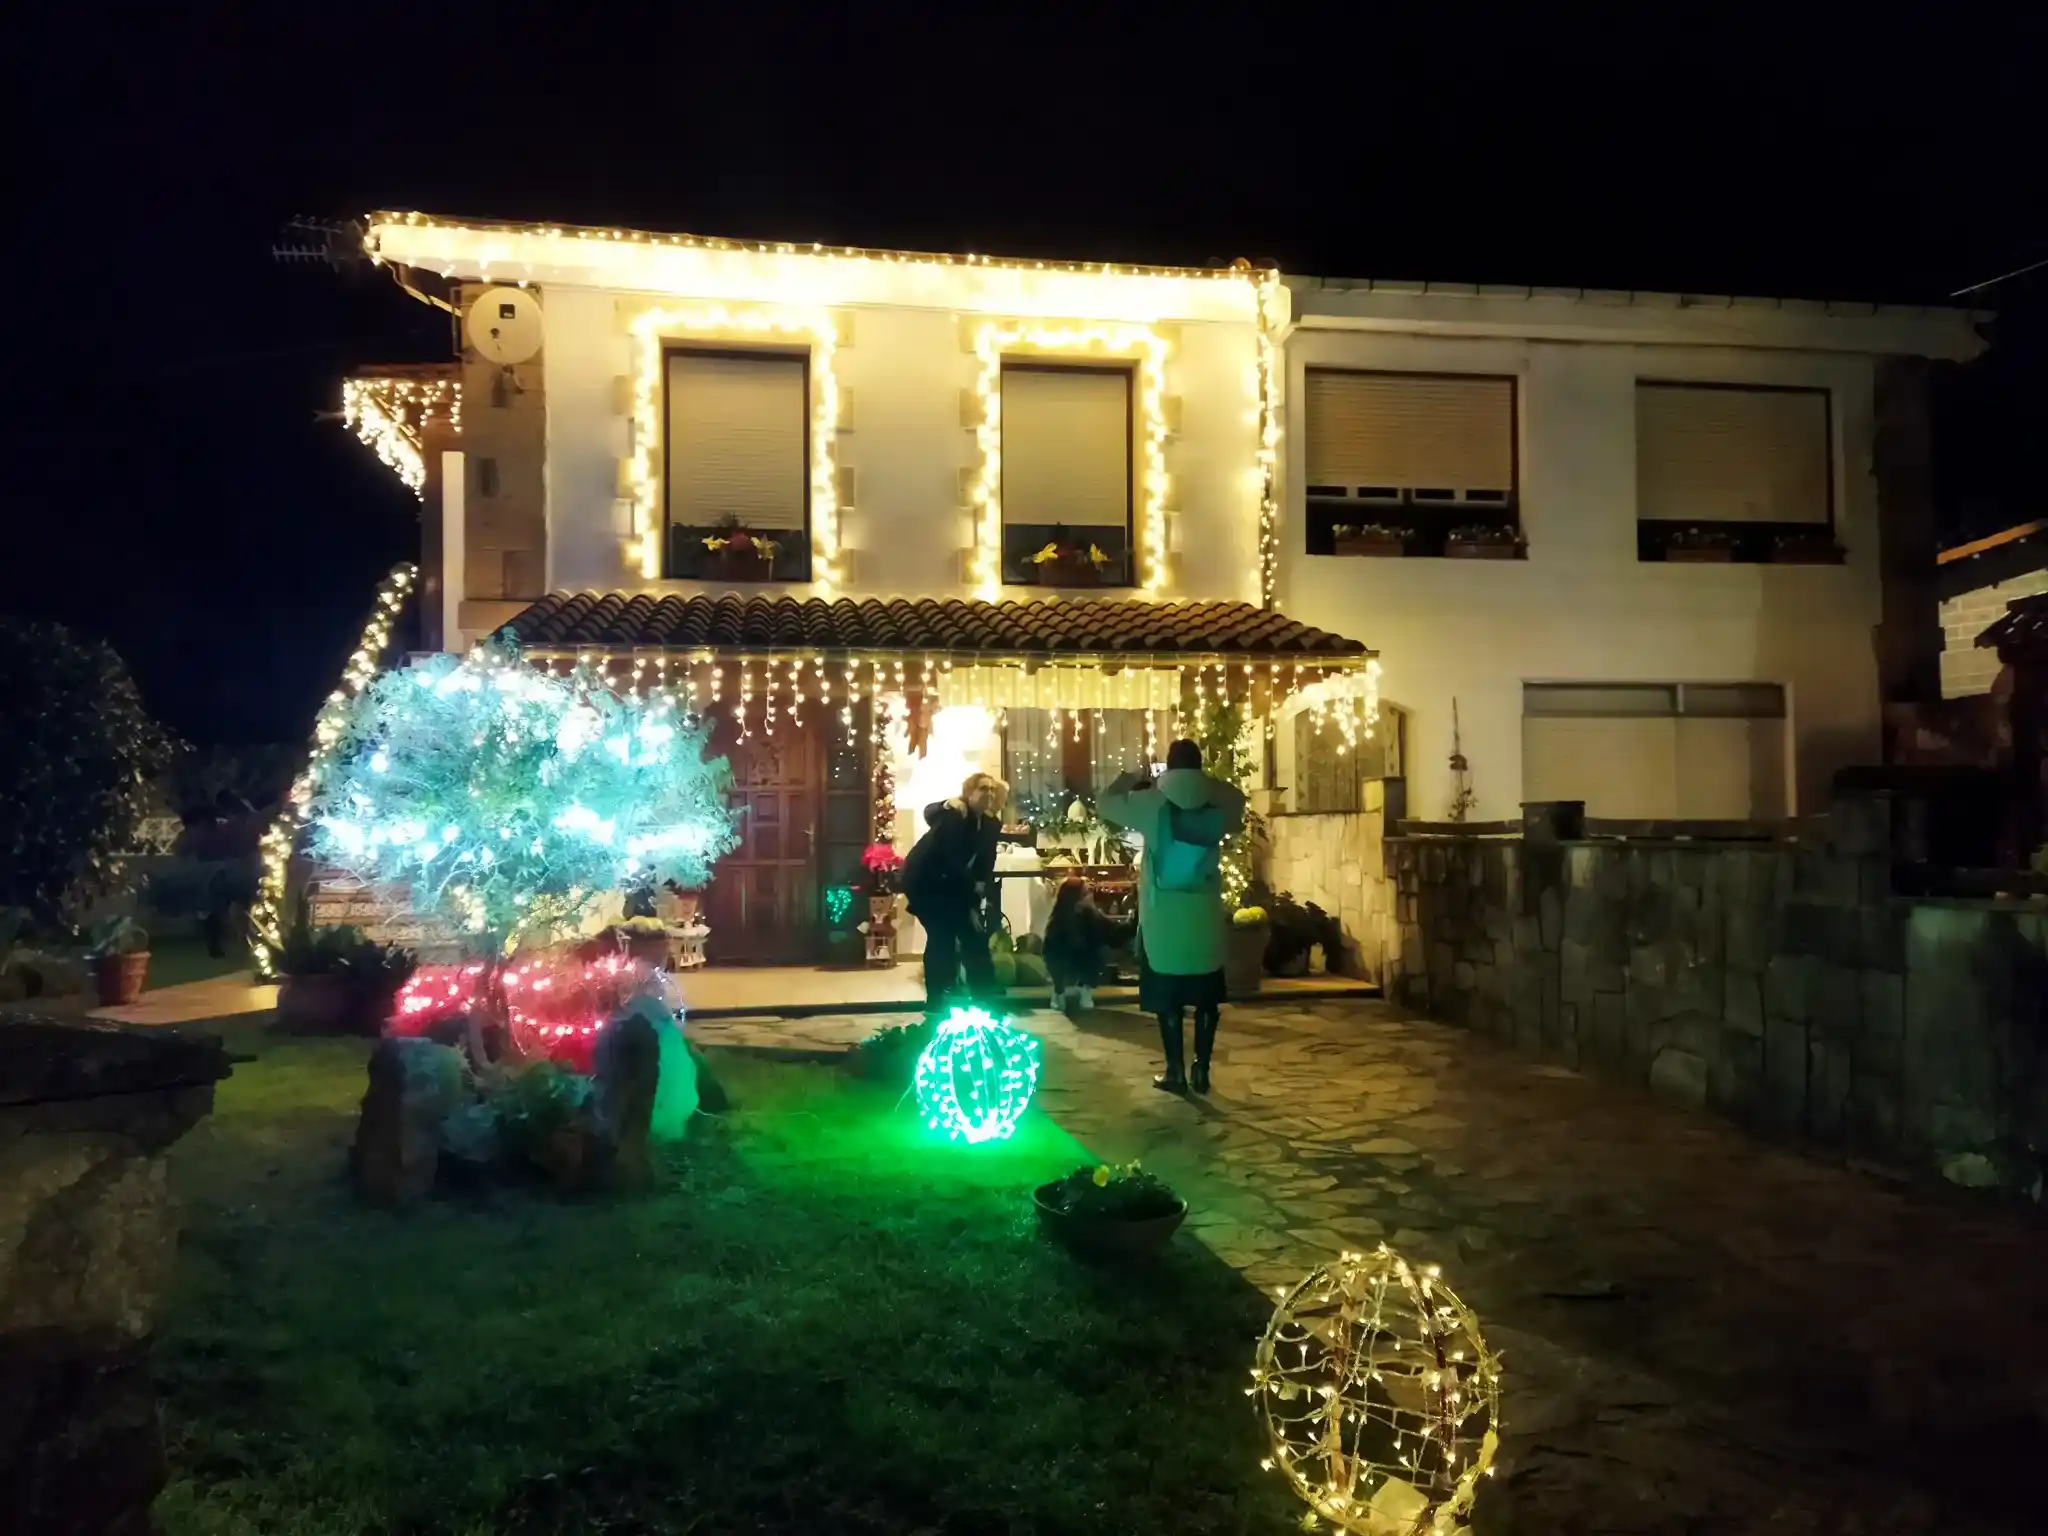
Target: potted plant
(1244,954)
(338,981)
(1374,539)
(1111,1211)
(1815,546)
(1700,546)
(1484,541)
(1066,562)
(119,956)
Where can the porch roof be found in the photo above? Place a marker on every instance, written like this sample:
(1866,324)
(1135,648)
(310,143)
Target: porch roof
(1056,628)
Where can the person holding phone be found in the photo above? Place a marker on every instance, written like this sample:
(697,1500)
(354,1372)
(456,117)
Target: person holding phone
(1184,815)
(949,885)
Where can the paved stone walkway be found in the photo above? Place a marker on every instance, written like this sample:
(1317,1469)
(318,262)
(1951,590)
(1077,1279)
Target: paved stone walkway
(1701,1333)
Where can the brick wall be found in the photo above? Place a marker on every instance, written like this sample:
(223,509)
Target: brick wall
(1781,986)
(1966,669)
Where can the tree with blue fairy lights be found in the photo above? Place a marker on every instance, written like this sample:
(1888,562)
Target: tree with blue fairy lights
(510,800)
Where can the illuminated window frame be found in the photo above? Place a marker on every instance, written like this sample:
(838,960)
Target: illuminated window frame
(654,332)
(1140,345)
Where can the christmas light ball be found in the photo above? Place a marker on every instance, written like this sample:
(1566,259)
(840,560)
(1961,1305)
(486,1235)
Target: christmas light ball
(976,1078)
(1380,1397)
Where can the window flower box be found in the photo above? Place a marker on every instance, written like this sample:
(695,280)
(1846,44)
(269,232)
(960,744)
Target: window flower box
(1484,541)
(1061,564)
(1375,540)
(740,555)
(1700,546)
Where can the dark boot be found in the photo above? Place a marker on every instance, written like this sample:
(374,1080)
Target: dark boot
(1205,1041)
(1174,1078)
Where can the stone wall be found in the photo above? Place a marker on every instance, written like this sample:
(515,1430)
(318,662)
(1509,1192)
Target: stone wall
(88,1233)
(1780,985)
(1337,861)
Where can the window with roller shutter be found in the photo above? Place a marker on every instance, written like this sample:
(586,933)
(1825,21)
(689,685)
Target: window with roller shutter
(737,461)
(1742,468)
(1431,454)
(1067,474)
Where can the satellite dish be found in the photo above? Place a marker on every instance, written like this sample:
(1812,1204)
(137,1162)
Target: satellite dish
(503,324)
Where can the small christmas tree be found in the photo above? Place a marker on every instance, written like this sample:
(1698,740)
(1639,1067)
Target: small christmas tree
(509,800)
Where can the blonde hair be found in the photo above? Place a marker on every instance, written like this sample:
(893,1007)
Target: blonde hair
(976,781)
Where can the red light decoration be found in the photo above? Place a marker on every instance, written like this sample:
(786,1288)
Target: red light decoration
(554,1003)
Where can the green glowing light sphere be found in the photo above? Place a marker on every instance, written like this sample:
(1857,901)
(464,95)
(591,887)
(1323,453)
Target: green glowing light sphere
(976,1078)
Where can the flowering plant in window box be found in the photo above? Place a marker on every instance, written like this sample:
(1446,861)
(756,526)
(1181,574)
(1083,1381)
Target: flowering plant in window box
(1069,564)
(1815,546)
(1369,539)
(1700,546)
(739,552)
(1484,541)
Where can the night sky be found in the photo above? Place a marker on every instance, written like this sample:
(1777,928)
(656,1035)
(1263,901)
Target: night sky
(172,487)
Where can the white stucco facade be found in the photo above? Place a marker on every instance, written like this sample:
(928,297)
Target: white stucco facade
(1581,607)
(902,453)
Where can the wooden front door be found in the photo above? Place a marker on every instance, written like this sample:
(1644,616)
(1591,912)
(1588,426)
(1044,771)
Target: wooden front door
(762,902)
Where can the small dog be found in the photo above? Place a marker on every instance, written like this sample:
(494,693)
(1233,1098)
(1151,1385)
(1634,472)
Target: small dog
(1078,939)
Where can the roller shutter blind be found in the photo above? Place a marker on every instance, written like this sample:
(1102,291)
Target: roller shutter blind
(1731,455)
(1410,432)
(737,439)
(1067,446)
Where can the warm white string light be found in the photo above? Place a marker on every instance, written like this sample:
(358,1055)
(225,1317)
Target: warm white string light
(1138,343)
(390,415)
(651,328)
(266,913)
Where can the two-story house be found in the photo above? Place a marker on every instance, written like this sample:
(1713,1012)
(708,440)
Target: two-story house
(954,511)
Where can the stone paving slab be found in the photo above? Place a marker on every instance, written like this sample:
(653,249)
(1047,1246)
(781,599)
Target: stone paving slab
(1701,1332)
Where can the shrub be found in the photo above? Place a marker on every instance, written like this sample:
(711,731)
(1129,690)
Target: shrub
(77,754)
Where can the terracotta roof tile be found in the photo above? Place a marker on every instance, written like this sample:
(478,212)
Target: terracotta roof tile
(1045,627)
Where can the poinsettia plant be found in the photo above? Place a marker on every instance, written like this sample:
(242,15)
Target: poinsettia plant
(741,543)
(881,861)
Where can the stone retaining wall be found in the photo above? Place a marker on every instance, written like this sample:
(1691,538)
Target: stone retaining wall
(1337,861)
(1780,985)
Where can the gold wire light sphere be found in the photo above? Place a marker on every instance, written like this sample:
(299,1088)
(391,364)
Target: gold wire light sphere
(1380,1397)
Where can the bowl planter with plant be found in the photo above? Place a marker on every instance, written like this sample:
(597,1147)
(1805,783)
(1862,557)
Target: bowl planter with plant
(118,953)
(1069,563)
(1700,546)
(1371,539)
(1244,953)
(1113,1211)
(645,939)
(1484,541)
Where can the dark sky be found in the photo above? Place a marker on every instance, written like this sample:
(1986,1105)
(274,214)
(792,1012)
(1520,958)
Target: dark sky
(172,488)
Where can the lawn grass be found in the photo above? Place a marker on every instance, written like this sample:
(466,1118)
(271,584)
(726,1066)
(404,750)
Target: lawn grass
(821,1322)
(176,961)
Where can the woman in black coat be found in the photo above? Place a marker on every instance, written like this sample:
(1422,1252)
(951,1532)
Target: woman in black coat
(949,882)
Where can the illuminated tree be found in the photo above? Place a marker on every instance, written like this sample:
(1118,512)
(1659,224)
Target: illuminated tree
(509,800)
(1221,737)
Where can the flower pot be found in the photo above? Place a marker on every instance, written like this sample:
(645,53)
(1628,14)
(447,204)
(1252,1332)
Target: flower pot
(118,978)
(741,565)
(1078,571)
(1106,1237)
(1720,556)
(683,908)
(1461,549)
(1244,959)
(1385,549)
(882,911)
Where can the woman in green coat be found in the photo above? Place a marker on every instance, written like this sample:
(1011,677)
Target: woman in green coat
(1183,818)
